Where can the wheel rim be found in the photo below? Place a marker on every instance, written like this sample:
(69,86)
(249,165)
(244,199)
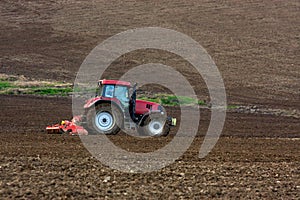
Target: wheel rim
(155,127)
(104,121)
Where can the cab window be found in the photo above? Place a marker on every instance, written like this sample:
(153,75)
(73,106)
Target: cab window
(121,93)
(109,91)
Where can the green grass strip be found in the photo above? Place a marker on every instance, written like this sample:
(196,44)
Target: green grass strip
(172,100)
(5,85)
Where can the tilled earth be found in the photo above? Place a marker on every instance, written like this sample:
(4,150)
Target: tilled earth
(255,45)
(37,165)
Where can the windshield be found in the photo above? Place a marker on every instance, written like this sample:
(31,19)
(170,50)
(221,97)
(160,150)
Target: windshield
(117,91)
(121,93)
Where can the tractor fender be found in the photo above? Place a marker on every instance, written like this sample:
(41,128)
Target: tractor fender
(100,101)
(146,115)
(96,101)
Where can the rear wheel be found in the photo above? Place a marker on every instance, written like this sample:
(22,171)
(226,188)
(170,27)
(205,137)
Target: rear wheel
(104,119)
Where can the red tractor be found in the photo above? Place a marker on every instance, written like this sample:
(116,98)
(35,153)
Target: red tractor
(113,108)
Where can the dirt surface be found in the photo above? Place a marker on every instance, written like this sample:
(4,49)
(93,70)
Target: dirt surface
(54,166)
(255,45)
(36,165)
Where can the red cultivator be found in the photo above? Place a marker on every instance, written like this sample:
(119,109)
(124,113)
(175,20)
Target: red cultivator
(69,127)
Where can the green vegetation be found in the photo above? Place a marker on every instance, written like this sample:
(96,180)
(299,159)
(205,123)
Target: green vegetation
(51,91)
(232,107)
(155,100)
(5,85)
(43,89)
(172,100)
(84,90)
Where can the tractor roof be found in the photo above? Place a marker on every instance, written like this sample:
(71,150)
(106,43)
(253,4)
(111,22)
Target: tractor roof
(114,82)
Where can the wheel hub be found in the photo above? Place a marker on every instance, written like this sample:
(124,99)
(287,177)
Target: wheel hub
(155,127)
(104,121)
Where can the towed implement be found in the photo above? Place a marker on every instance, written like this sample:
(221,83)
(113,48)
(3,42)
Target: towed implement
(113,109)
(69,127)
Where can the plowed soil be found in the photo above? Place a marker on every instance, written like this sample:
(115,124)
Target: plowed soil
(256,47)
(243,163)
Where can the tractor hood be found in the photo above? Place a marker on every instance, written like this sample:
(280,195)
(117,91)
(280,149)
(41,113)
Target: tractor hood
(143,106)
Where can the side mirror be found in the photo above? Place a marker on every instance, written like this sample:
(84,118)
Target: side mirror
(134,85)
(132,89)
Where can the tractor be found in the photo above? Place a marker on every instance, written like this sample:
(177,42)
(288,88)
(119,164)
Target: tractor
(115,107)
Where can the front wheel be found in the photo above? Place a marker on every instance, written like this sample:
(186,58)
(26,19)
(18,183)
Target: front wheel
(104,119)
(154,127)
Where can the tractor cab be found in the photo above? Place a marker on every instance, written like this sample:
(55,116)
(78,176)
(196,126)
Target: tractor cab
(114,89)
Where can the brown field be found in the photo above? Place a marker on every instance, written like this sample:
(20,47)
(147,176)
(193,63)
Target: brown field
(255,45)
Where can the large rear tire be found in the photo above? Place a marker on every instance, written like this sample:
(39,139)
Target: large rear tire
(104,118)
